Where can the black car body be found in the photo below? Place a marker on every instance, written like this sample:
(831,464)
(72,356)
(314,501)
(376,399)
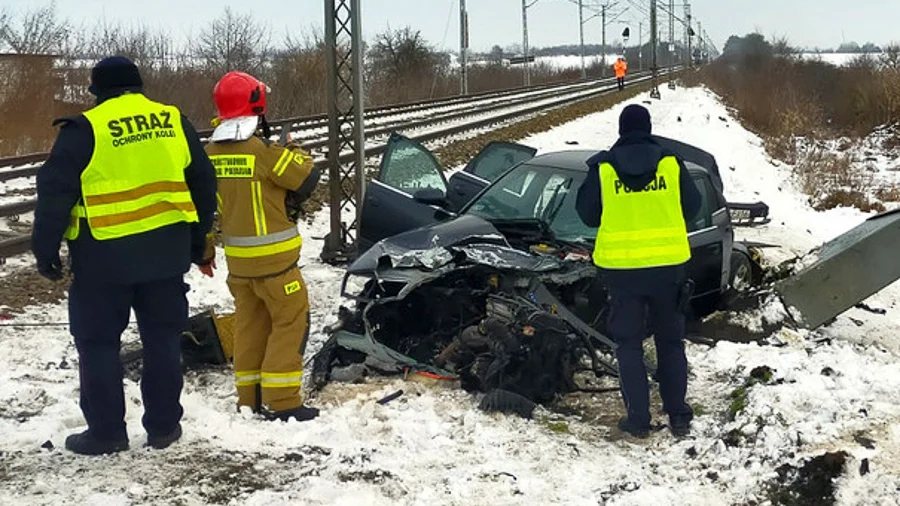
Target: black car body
(490,273)
(497,198)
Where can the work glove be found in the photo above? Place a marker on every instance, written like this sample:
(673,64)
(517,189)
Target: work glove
(208,267)
(50,268)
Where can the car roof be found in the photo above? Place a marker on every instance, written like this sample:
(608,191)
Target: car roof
(574,159)
(570,159)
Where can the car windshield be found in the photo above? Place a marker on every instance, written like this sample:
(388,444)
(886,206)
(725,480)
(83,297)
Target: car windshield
(536,192)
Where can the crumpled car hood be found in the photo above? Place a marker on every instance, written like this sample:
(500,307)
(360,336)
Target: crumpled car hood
(468,238)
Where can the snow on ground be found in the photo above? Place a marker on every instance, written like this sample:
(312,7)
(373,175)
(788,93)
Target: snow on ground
(572,61)
(837,59)
(433,446)
(556,62)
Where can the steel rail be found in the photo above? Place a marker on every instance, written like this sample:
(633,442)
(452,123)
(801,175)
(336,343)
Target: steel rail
(9,167)
(14,245)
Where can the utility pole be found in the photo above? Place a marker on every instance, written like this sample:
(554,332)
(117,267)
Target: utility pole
(581,36)
(641,45)
(346,180)
(688,35)
(603,42)
(525,41)
(700,41)
(671,43)
(654,43)
(463,48)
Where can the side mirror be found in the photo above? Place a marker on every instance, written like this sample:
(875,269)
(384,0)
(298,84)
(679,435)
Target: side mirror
(431,197)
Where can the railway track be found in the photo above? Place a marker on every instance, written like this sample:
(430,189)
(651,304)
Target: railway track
(419,121)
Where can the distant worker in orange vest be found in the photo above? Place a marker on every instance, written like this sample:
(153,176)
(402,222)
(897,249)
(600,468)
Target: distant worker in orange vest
(621,67)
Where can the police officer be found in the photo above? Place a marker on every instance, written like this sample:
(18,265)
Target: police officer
(640,196)
(128,184)
(257,178)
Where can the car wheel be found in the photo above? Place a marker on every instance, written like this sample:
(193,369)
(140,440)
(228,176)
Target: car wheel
(741,272)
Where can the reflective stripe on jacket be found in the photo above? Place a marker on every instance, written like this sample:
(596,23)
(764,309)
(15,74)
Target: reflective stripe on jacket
(135,180)
(260,239)
(644,228)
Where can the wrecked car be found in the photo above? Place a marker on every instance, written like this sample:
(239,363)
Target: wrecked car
(488,278)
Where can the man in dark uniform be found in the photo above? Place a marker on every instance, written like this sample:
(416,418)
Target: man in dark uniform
(130,187)
(640,196)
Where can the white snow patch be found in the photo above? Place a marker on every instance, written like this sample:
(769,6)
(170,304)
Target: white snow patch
(434,446)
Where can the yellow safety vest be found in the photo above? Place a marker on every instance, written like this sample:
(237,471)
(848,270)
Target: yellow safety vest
(134,182)
(645,228)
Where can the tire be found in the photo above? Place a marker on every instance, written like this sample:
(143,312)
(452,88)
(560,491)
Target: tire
(741,277)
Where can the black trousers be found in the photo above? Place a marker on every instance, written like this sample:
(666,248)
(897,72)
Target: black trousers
(621,82)
(98,314)
(634,305)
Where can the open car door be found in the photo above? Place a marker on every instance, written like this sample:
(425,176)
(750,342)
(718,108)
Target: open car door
(408,192)
(490,163)
(711,237)
(743,214)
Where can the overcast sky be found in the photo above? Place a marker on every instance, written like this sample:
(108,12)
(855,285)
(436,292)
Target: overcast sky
(824,23)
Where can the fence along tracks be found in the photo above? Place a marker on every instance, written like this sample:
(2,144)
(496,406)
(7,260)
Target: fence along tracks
(482,110)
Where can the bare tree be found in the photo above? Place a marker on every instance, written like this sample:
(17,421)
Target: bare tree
(403,57)
(147,48)
(297,76)
(4,26)
(37,31)
(890,58)
(781,46)
(233,42)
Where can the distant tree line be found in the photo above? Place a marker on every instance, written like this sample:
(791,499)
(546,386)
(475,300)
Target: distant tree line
(400,65)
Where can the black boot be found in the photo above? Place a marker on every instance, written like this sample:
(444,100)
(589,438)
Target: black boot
(680,427)
(301,414)
(626,425)
(162,442)
(84,443)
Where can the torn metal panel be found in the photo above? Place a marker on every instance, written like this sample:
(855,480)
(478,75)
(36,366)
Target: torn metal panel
(380,357)
(845,271)
(507,258)
(406,248)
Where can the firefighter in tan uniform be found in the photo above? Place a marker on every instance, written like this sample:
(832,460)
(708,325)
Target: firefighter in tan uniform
(262,248)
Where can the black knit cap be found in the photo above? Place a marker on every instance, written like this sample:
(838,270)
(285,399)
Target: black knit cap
(634,118)
(113,73)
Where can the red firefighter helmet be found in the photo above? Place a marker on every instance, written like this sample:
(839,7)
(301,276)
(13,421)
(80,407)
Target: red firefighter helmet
(240,94)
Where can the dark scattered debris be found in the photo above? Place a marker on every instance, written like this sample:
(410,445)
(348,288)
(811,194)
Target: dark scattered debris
(858,323)
(572,143)
(733,438)
(809,484)
(691,452)
(866,307)
(48,445)
(388,398)
(761,374)
(712,475)
(504,401)
(828,371)
(864,467)
(866,442)
(374,476)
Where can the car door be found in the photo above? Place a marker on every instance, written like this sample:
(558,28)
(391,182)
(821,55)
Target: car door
(389,207)
(489,164)
(709,236)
